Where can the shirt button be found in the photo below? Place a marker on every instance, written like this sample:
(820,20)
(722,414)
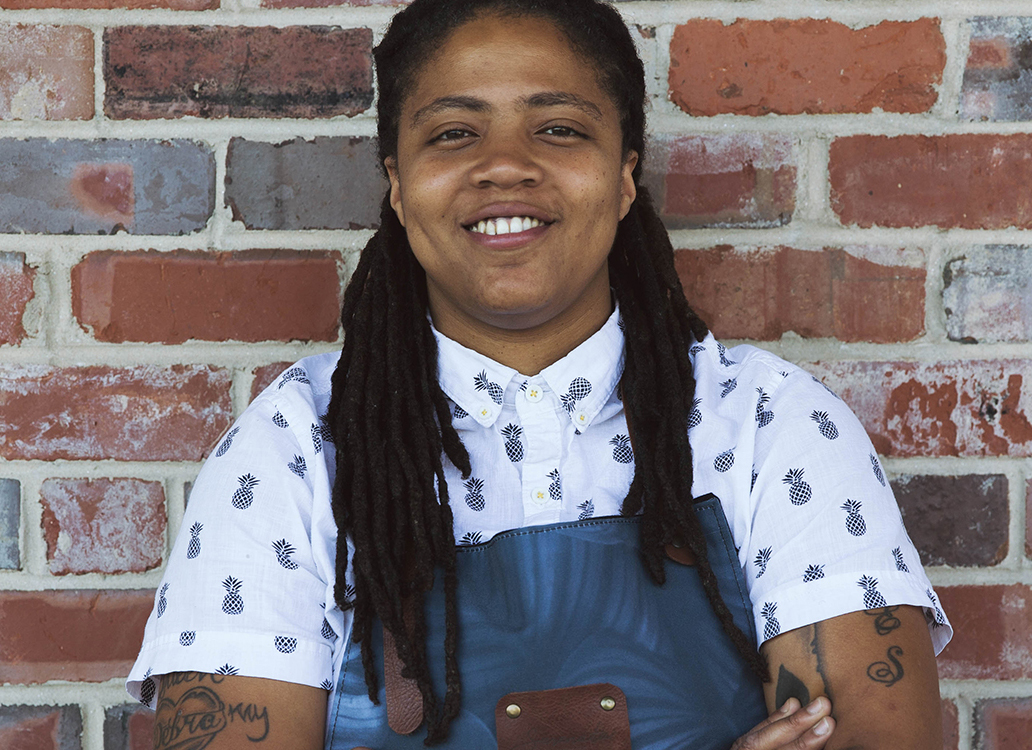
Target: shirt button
(534,393)
(486,414)
(580,418)
(539,496)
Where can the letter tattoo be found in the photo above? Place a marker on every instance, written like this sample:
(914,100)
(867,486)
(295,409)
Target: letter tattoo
(885,673)
(885,620)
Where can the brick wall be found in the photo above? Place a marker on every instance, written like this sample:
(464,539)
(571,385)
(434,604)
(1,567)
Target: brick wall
(184,186)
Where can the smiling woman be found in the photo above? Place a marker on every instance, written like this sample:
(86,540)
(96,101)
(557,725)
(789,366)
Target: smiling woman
(659,542)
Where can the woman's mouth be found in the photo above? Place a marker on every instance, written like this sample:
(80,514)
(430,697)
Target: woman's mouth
(505,225)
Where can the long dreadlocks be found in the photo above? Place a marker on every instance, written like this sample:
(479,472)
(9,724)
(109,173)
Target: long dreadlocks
(392,421)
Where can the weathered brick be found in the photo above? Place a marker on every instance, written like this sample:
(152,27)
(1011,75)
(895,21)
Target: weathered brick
(84,636)
(813,66)
(955,520)
(1028,519)
(144,413)
(1003,724)
(47,73)
(853,293)
(86,187)
(328,3)
(10,523)
(265,376)
(945,408)
(236,71)
(972,181)
(171,297)
(15,293)
(324,183)
(128,727)
(111,4)
(950,726)
(40,728)
(741,180)
(998,77)
(992,632)
(103,525)
(985,294)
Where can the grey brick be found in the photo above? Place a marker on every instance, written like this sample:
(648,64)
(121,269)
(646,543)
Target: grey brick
(10,513)
(128,726)
(998,79)
(58,727)
(985,295)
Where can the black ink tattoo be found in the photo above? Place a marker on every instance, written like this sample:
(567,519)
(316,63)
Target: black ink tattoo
(790,686)
(178,678)
(885,620)
(251,713)
(884,672)
(194,720)
(815,648)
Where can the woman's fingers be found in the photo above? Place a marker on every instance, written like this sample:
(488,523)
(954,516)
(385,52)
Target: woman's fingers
(791,728)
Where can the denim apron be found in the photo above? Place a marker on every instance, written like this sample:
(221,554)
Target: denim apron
(571,604)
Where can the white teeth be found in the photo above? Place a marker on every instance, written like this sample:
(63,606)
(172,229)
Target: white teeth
(509,225)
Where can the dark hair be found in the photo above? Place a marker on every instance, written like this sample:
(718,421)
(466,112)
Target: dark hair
(392,423)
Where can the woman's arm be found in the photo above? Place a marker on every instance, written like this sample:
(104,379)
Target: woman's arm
(878,669)
(223,712)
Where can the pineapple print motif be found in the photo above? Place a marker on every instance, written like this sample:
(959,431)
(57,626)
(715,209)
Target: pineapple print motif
(763,416)
(513,443)
(812,573)
(587,510)
(317,439)
(722,351)
(755,476)
(555,489)
(459,412)
(326,685)
(799,492)
(187,637)
(855,524)
(298,466)
(876,467)
(579,388)
(872,597)
(228,442)
(470,538)
(232,603)
(324,428)
(824,424)
(194,548)
(162,601)
(284,550)
(285,644)
(474,493)
(696,349)
(940,618)
(695,416)
(147,689)
(762,558)
(728,386)
(622,453)
(279,420)
(227,669)
(773,627)
(244,496)
(900,564)
(724,461)
(294,373)
(327,631)
(481,383)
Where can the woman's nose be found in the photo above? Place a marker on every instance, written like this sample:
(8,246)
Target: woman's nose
(506,162)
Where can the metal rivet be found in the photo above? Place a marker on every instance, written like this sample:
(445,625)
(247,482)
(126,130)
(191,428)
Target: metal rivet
(512,711)
(608,704)
(677,542)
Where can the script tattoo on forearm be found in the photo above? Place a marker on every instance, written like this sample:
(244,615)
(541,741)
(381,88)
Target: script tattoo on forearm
(885,620)
(200,714)
(888,674)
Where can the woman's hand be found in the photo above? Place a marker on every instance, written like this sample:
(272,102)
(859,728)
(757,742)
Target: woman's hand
(791,728)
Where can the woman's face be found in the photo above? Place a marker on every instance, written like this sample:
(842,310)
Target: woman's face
(510,179)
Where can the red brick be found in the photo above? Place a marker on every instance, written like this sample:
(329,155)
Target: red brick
(236,71)
(812,66)
(103,525)
(950,726)
(144,413)
(171,297)
(972,181)
(265,376)
(111,4)
(741,180)
(40,728)
(128,727)
(1003,724)
(947,408)
(15,293)
(992,632)
(81,636)
(47,73)
(854,294)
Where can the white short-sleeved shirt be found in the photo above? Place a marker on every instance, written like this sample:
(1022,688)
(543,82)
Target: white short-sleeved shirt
(248,588)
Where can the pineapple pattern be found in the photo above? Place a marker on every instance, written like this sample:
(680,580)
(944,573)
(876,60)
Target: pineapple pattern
(694,351)
(284,550)
(728,385)
(193,550)
(481,383)
(724,461)
(587,510)
(812,573)
(317,440)
(855,523)
(799,492)
(187,637)
(324,428)
(294,374)
(876,467)
(148,689)
(162,601)
(327,631)
(298,466)
(227,443)
(772,627)
(474,493)
(459,413)
(722,352)
(326,685)
(763,416)
(227,669)
(513,435)
(761,561)
(824,424)
(555,488)
(285,644)
(232,603)
(470,538)
(695,416)
(622,452)
(939,619)
(901,565)
(279,420)
(872,597)
(579,388)
(244,495)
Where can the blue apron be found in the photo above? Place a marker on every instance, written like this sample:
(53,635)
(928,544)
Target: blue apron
(571,604)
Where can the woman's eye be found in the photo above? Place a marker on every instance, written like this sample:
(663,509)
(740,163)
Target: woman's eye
(562,131)
(455,134)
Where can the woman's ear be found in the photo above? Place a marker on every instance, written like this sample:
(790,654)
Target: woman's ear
(628,191)
(391,165)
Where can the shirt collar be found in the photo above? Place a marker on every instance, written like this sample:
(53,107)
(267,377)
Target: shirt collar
(581,382)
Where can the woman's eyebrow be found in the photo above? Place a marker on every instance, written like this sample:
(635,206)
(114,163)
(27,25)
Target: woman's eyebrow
(449,102)
(534,101)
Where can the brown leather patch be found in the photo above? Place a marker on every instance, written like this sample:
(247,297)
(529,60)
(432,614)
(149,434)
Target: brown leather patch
(588,717)
(681,555)
(404,701)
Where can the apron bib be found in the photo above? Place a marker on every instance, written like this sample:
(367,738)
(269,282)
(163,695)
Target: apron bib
(571,604)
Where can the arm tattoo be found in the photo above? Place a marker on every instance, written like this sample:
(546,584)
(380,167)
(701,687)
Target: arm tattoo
(199,715)
(885,620)
(790,686)
(885,673)
(818,651)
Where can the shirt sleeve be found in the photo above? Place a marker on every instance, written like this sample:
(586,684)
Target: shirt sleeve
(246,591)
